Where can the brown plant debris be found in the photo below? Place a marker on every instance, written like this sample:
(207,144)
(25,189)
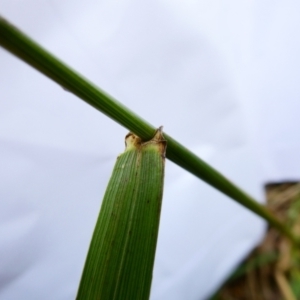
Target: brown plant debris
(272,270)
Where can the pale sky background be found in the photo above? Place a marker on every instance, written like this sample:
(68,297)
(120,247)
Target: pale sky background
(225,77)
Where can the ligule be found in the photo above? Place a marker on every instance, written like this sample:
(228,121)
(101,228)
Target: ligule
(120,260)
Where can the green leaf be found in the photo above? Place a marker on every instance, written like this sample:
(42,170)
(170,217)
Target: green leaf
(121,255)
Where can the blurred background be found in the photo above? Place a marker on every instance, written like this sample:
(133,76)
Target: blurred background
(222,78)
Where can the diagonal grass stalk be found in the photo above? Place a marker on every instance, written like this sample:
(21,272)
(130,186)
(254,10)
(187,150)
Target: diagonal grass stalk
(29,51)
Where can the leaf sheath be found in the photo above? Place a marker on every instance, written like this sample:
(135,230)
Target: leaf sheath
(121,255)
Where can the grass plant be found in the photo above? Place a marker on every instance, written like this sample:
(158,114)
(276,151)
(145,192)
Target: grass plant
(17,43)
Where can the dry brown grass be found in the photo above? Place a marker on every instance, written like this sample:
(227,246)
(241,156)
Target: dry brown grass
(272,271)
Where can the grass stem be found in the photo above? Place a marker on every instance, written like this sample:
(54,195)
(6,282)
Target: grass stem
(29,51)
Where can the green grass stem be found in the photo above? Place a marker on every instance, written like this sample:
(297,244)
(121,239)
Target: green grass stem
(29,51)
